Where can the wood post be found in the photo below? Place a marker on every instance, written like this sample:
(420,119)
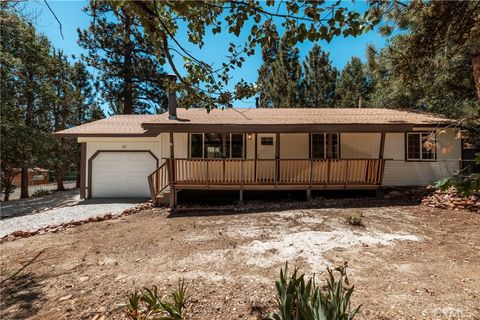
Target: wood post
(240,202)
(309,194)
(171,173)
(277,157)
(83,170)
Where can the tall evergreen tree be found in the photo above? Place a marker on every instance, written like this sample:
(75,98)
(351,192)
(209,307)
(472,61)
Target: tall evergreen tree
(24,55)
(281,82)
(320,78)
(354,85)
(131,78)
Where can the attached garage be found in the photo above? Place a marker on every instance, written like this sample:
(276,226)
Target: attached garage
(121,174)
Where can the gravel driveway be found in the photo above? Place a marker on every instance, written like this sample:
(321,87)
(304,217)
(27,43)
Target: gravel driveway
(80,211)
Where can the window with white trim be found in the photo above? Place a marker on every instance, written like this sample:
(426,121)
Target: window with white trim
(217,145)
(325,146)
(421,146)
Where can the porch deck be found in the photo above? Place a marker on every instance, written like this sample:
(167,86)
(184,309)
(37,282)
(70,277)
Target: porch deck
(266,174)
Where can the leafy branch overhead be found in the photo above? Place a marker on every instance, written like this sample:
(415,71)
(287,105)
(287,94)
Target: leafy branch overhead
(260,22)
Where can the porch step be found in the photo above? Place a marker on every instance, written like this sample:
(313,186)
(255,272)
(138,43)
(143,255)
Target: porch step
(163,198)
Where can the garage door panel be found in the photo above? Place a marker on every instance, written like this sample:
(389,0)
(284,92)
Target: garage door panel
(122,174)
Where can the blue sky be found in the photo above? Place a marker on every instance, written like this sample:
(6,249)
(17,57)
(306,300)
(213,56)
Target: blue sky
(72,17)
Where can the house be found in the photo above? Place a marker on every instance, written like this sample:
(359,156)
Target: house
(36,176)
(263,149)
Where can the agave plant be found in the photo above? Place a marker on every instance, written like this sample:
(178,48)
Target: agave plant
(147,304)
(299,299)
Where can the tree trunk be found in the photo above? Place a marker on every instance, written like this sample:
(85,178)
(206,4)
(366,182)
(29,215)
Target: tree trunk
(59,172)
(24,183)
(127,75)
(476,72)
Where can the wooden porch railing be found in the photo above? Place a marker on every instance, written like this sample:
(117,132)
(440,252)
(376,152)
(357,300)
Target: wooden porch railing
(308,172)
(158,181)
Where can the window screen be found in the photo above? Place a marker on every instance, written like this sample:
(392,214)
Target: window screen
(267,141)
(421,146)
(196,145)
(325,146)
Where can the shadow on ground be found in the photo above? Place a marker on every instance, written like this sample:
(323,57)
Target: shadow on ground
(21,294)
(205,203)
(18,208)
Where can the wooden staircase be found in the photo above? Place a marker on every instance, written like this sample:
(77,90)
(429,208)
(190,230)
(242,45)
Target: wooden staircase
(159,184)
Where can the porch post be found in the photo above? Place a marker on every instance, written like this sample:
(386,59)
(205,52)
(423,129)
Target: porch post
(255,158)
(381,167)
(83,170)
(277,157)
(172,173)
(382,145)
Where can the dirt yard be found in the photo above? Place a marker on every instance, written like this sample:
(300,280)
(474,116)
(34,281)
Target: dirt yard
(406,262)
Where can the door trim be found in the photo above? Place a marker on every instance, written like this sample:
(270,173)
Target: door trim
(90,162)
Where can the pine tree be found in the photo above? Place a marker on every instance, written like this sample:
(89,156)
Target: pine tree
(281,85)
(131,79)
(320,78)
(24,55)
(354,85)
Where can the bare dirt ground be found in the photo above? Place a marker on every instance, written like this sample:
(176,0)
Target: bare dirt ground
(407,262)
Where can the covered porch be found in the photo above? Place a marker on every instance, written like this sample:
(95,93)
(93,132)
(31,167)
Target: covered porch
(270,161)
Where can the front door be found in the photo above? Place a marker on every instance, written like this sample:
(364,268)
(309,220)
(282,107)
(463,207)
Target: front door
(266,146)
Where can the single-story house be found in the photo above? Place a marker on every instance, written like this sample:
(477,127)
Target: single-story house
(263,149)
(36,176)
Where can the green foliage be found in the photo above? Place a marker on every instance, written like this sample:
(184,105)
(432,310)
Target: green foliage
(465,184)
(147,304)
(354,85)
(355,220)
(280,78)
(256,21)
(42,91)
(319,81)
(40,192)
(301,299)
(131,80)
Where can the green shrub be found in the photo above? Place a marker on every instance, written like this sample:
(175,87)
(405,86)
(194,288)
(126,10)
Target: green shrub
(300,299)
(147,304)
(355,220)
(40,192)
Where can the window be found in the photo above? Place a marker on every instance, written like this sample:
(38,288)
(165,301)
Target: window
(235,146)
(421,146)
(216,145)
(196,145)
(212,145)
(324,146)
(267,141)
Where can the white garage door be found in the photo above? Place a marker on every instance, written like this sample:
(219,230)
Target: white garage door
(122,174)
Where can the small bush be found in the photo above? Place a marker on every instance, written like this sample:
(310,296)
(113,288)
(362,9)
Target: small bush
(302,299)
(147,304)
(40,192)
(355,220)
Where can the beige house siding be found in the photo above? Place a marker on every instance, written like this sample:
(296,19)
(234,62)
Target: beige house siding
(294,146)
(399,172)
(250,146)
(359,145)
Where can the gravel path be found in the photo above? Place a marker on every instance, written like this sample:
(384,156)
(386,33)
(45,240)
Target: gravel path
(53,217)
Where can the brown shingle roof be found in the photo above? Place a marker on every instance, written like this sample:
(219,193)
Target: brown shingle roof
(115,125)
(132,124)
(301,116)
